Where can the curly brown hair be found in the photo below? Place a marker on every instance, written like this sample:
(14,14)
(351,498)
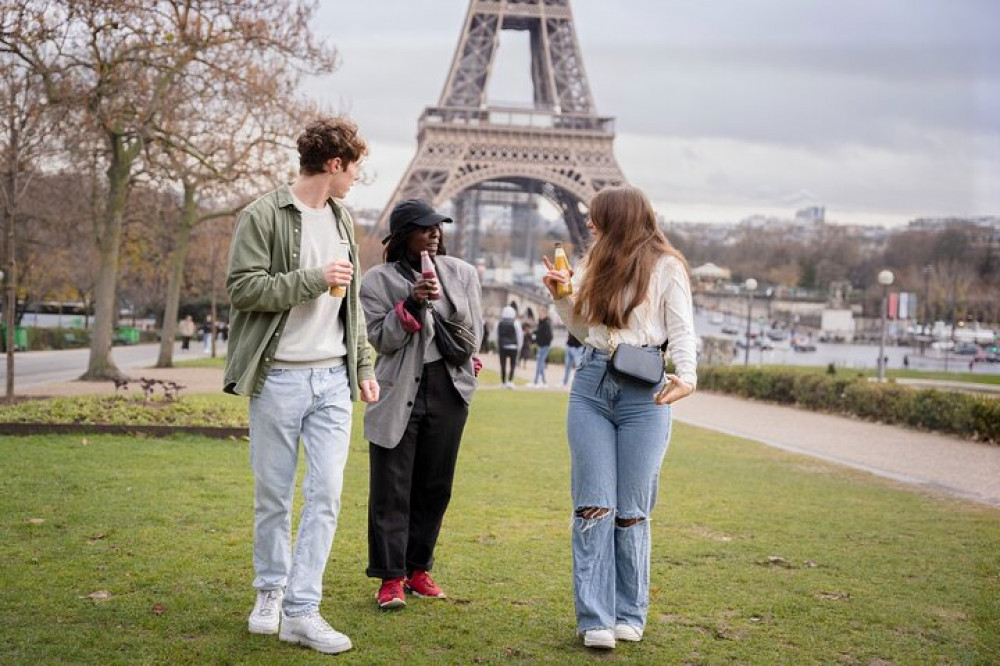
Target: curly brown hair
(327,138)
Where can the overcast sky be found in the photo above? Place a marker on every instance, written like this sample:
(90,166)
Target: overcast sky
(880,110)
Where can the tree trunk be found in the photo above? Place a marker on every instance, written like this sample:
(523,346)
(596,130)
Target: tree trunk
(178,261)
(101,367)
(10,282)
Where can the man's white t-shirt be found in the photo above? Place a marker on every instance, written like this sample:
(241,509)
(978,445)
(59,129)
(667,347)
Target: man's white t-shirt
(314,334)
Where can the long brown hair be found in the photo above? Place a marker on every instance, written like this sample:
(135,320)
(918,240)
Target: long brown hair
(621,260)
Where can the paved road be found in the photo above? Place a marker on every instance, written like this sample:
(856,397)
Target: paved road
(37,368)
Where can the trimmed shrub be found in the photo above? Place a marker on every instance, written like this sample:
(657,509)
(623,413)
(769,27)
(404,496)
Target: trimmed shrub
(986,419)
(941,411)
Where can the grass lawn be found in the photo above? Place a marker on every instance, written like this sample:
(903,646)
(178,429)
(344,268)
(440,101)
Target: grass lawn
(759,557)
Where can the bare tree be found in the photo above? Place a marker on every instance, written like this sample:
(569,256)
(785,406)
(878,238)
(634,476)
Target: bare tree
(29,133)
(219,159)
(123,65)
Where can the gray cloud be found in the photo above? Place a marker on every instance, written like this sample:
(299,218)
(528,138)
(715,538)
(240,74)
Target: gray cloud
(903,93)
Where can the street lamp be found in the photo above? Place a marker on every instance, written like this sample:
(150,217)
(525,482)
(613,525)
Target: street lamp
(750,285)
(885,279)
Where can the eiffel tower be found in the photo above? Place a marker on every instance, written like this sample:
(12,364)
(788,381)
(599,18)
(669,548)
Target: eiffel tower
(558,148)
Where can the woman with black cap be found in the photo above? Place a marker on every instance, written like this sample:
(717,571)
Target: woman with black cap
(415,428)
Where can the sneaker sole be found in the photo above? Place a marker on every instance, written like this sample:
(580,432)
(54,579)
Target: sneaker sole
(262,629)
(426,596)
(319,647)
(601,645)
(628,638)
(392,603)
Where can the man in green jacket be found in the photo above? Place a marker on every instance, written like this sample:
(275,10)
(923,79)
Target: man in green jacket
(299,349)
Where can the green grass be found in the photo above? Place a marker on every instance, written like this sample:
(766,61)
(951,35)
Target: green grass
(971,377)
(869,571)
(128,408)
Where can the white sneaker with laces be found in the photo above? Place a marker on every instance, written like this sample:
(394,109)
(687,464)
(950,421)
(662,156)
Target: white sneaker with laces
(626,632)
(599,638)
(266,613)
(313,631)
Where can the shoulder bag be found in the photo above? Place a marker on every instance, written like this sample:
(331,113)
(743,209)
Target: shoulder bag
(637,362)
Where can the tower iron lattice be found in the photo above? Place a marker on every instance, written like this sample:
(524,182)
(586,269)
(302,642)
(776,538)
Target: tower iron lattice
(558,148)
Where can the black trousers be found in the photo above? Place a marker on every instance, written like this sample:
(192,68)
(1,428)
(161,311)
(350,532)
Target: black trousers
(507,356)
(410,485)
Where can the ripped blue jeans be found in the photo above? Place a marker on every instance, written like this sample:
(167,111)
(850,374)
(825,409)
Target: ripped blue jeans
(617,439)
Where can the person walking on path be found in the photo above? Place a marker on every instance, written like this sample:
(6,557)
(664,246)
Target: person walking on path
(632,288)
(543,338)
(187,330)
(527,340)
(206,336)
(301,353)
(573,349)
(416,427)
(509,337)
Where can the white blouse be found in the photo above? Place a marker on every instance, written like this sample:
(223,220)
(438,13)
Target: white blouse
(665,314)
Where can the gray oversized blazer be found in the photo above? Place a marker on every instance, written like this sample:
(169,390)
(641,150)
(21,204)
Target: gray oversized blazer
(400,360)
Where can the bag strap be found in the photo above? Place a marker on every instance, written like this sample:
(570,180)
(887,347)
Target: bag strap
(612,338)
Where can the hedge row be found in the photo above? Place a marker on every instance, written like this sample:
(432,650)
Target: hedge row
(963,414)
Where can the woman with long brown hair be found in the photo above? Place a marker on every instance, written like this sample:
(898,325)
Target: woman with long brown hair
(631,290)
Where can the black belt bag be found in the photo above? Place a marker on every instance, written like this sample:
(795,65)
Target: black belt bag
(638,363)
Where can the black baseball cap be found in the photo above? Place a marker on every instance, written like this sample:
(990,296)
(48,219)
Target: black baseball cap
(413,211)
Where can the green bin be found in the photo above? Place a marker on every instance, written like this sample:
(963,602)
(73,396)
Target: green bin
(20,338)
(127,335)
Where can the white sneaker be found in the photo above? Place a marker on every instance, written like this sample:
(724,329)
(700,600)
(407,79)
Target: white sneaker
(313,631)
(626,632)
(266,613)
(599,638)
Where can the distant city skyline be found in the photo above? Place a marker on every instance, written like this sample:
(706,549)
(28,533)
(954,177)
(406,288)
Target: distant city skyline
(878,112)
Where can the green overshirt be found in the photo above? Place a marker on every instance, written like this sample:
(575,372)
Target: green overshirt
(265,281)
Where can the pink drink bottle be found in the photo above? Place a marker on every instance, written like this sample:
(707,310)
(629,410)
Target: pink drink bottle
(427,270)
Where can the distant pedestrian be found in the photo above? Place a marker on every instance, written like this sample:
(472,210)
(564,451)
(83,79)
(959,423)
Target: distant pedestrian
(527,340)
(206,335)
(906,361)
(187,330)
(509,336)
(573,349)
(543,338)
(484,346)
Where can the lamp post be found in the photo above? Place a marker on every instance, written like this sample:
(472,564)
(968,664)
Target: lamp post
(750,285)
(885,279)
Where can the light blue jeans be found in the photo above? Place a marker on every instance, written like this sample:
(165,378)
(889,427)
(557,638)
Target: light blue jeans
(316,405)
(540,360)
(617,439)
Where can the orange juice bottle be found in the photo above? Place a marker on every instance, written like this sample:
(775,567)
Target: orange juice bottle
(562,264)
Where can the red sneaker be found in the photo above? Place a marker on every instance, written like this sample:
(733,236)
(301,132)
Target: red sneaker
(420,584)
(390,595)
